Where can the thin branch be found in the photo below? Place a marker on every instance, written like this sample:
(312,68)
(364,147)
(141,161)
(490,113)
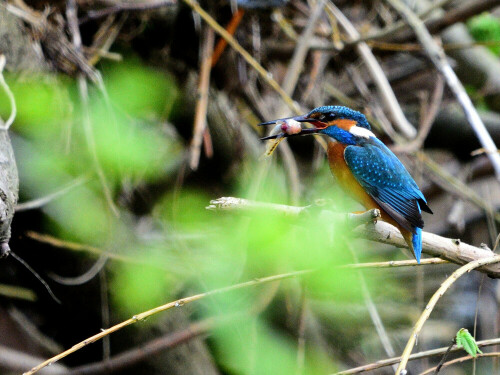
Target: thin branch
(438,58)
(167,306)
(126,7)
(420,355)
(378,75)
(200,118)
(40,202)
(136,355)
(441,362)
(461,360)
(432,303)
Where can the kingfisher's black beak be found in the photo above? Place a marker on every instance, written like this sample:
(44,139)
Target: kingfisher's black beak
(302,118)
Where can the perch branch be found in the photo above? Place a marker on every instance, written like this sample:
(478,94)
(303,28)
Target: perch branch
(452,250)
(432,303)
(438,58)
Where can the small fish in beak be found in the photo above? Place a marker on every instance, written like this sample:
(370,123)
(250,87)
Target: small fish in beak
(282,129)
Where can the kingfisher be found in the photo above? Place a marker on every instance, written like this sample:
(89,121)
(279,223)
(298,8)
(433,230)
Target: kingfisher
(365,168)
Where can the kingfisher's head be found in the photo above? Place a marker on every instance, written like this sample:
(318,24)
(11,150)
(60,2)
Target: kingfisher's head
(343,124)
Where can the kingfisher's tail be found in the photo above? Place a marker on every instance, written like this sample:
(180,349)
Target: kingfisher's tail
(416,241)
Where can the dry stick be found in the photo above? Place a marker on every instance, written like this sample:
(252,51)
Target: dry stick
(460,360)
(378,76)
(200,118)
(126,7)
(438,58)
(452,250)
(40,202)
(433,301)
(420,355)
(135,355)
(167,306)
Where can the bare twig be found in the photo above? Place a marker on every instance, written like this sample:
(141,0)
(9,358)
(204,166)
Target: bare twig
(438,58)
(200,119)
(433,301)
(135,355)
(40,202)
(126,7)
(384,88)
(167,306)
(461,360)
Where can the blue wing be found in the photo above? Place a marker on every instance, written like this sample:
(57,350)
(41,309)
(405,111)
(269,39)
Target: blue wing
(388,182)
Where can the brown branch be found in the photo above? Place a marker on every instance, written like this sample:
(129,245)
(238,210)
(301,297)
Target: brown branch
(200,119)
(462,359)
(125,7)
(136,355)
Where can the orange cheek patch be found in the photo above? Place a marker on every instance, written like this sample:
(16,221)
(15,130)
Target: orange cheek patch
(344,124)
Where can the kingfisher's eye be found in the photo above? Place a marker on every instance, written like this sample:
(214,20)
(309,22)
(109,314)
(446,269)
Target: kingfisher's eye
(328,117)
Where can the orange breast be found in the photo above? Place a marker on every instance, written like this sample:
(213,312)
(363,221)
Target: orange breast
(348,182)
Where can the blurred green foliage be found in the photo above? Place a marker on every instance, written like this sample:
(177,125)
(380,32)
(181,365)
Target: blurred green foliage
(187,247)
(486,27)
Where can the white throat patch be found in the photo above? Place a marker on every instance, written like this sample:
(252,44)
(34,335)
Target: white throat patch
(358,131)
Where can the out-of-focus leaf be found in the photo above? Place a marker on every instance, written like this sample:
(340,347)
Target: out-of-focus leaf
(465,340)
(140,91)
(139,288)
(486,27)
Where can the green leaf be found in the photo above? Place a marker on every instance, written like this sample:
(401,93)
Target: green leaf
(465,340)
